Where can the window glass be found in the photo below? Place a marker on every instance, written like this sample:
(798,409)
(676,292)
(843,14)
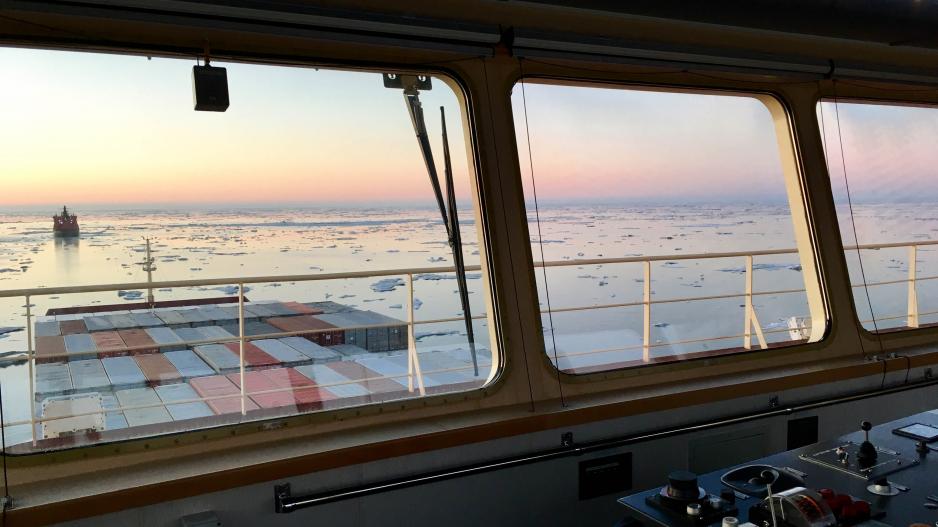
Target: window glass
(309,195)
(654,213)
(882,159)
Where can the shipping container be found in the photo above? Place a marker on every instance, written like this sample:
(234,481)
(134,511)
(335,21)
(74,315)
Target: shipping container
(114,420)
(254,357)
(47,329)
(50,349)
(137,338)
(329,306)
(310,323)
(166,339)
(258,310)
(233,311)
(80,346)
(98,323)
(53,379)
(195,317)
(71,414)
(349,350)
(215,314)
(302,309)
(89,376)
(218,357)
(229,400)
(121,321)
(71,327)
(171,317)
(172,393)
(371,380)
(154,413)
(123,372)
(394,368)
(332,381)
(158,369)
(312,350)
(146,320)
(282,352)
(188,363)
(306,394)
(109,343)
(216,332)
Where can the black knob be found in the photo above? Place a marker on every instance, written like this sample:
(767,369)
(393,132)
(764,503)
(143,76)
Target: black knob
(727,495)
(866,426)
(683,485)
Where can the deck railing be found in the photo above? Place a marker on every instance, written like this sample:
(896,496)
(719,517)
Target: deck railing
(415,373)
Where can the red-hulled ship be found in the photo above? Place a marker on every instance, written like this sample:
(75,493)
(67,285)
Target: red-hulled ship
(65,224)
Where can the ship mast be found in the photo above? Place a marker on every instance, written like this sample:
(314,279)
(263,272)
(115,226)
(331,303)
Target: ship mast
(149,268)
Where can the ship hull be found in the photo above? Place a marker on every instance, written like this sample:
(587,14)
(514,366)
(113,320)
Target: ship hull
(66,233)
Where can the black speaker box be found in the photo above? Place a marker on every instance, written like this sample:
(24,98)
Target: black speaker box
(210,88)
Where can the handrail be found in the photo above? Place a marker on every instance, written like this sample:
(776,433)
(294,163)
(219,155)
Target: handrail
(413,367)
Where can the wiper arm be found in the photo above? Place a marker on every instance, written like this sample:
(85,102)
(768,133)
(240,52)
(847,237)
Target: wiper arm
(411,86)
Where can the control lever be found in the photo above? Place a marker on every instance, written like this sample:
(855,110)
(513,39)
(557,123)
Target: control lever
(866,456)
(769,477)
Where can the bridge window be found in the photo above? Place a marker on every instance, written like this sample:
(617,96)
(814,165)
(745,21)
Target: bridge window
(664,225)
(882,158)
(302,218)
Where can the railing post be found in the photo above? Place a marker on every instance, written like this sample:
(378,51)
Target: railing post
(752,321)
(413,361)
(912,321)
(31,356)
(241,344)
(646,313)
(747,329)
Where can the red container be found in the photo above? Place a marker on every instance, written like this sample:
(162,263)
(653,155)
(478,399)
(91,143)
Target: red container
(306,323)
(302,308)
(70,327)
(48,347)
(254,357)
(109,344)
(138,338)
(157,369)
(219,385)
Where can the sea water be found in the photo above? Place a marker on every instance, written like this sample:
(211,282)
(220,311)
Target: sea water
(237,243)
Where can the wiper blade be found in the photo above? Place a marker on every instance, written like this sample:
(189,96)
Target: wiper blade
(448,209)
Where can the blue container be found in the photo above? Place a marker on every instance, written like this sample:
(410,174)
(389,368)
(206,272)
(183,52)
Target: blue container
(170,393)
(342,386)
(98,323)
(258,310)
(121,321)
(89,376)
(171,317)
(220,358)
(311,349)
(146,320)
(112,420)
(47,329)
(81,345)
(142,416)
(281,352)
(195,317)
(188,364)
(124,372)
(53,379)
(166,339)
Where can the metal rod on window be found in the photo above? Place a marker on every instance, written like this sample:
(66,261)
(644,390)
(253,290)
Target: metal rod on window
(646,313)
(32,370)
(413,359)
(241,344)
(912,321)
(410,333)
(747,316)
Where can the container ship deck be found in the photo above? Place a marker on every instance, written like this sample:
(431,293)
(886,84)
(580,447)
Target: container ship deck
(105,372)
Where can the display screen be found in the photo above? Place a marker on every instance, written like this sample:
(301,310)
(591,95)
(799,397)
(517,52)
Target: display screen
(919,431)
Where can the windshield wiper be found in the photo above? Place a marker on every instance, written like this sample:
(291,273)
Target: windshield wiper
(412,84)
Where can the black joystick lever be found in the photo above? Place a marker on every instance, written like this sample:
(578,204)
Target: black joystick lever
(866,455)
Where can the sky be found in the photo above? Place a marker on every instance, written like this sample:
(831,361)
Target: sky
(98,130)
(84,129)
